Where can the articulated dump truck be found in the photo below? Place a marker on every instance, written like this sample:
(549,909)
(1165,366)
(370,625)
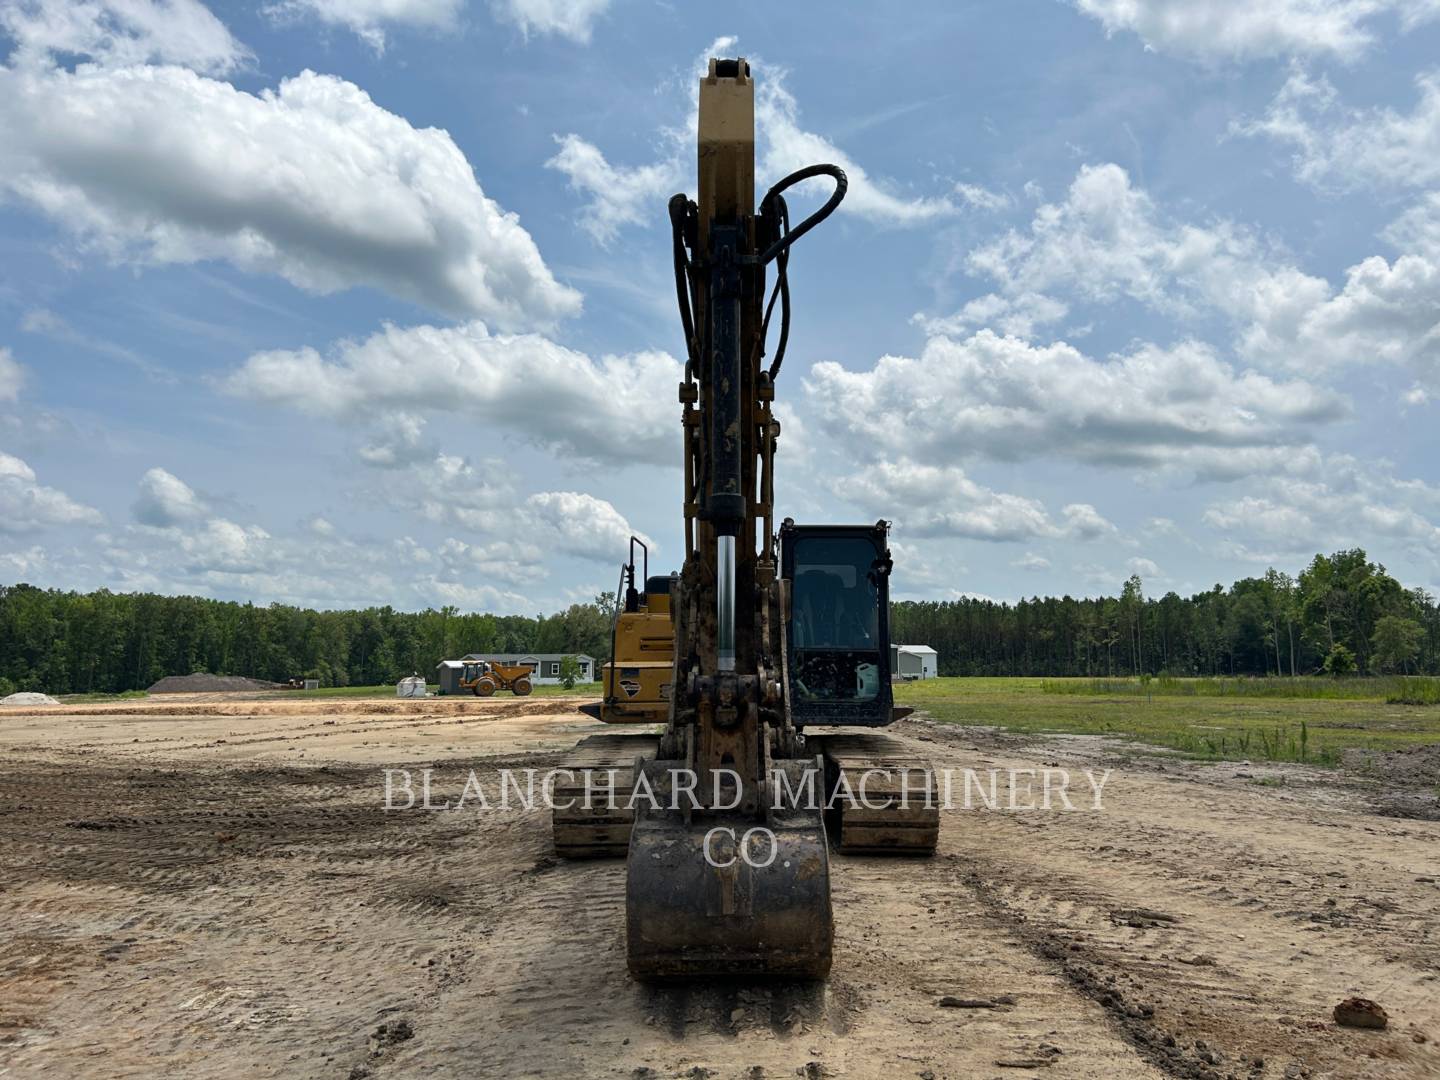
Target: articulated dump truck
(762,668)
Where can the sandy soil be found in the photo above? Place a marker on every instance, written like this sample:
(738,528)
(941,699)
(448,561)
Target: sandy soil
(211,887)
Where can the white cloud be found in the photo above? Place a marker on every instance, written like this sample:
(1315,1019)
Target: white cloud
(572,19)
(1418,228)
(1032,562)
(399,442)
(368,18)
(924,568)
(1005,398)
(27,505)
(1385,313)
(1252,29)
(618,195)
(1344,147)
(579,524)
(1260,517)
(1020,315)
(1107,241)
(616,409)
(451,490)
(979,198)
(512,562)
(223,546)
(1146,568)
(1162,526)
(312,181)
(166,500)
(121,32)
(942,501)
(181,545)
(1341,501)
(12,376)
(786,146)
(1085,522)
(21,564)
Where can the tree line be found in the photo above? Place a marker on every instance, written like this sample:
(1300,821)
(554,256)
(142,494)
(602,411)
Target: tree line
(1341,614)
(103,642)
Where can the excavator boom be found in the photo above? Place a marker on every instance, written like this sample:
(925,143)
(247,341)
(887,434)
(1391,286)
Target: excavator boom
(733,879)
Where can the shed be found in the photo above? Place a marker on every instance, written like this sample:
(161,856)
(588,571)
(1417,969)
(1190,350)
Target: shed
(447,674)
(914,661)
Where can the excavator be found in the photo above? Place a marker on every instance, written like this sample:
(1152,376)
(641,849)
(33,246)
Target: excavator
(771,643)
(635,683)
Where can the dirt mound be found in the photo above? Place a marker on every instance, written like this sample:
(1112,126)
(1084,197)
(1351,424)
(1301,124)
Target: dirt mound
(28,698)
(1409,779)
(201,683)
(1417,765)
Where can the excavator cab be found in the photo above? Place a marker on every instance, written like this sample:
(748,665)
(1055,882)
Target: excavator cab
(838,623)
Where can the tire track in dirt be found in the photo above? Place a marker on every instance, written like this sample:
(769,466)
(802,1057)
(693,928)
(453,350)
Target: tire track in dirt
(549,995)
(1218,926)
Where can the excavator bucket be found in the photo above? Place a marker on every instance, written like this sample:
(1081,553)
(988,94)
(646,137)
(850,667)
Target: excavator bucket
(722,895)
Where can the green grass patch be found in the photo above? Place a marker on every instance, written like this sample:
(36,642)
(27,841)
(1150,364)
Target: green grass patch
(1304,687)
(1415,690)
(81,699)
(1259,726)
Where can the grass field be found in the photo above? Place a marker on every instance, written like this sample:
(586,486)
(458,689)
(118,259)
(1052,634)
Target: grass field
(1256,722)
(80,699)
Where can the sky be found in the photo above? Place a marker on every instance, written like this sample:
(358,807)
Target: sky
(352,302)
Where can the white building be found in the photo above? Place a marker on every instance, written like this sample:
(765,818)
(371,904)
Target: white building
(914,661)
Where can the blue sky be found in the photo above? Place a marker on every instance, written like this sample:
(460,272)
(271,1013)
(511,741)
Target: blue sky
(341,302)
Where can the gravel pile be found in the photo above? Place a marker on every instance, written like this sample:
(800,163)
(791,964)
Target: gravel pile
(201,683)
(28,698)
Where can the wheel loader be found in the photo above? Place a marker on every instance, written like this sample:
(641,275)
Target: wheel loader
(778,638)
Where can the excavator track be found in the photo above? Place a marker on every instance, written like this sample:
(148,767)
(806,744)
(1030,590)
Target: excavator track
(601,830)
(901,786)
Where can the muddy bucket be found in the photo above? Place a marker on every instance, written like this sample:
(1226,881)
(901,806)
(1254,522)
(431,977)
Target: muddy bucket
(726,895)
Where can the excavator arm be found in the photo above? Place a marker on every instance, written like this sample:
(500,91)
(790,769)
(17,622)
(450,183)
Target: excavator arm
(728,866)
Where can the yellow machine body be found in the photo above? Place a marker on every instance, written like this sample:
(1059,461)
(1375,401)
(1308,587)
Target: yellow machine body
(637,680)
(483,677)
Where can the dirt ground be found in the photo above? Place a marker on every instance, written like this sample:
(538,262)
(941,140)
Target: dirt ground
(211,887)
